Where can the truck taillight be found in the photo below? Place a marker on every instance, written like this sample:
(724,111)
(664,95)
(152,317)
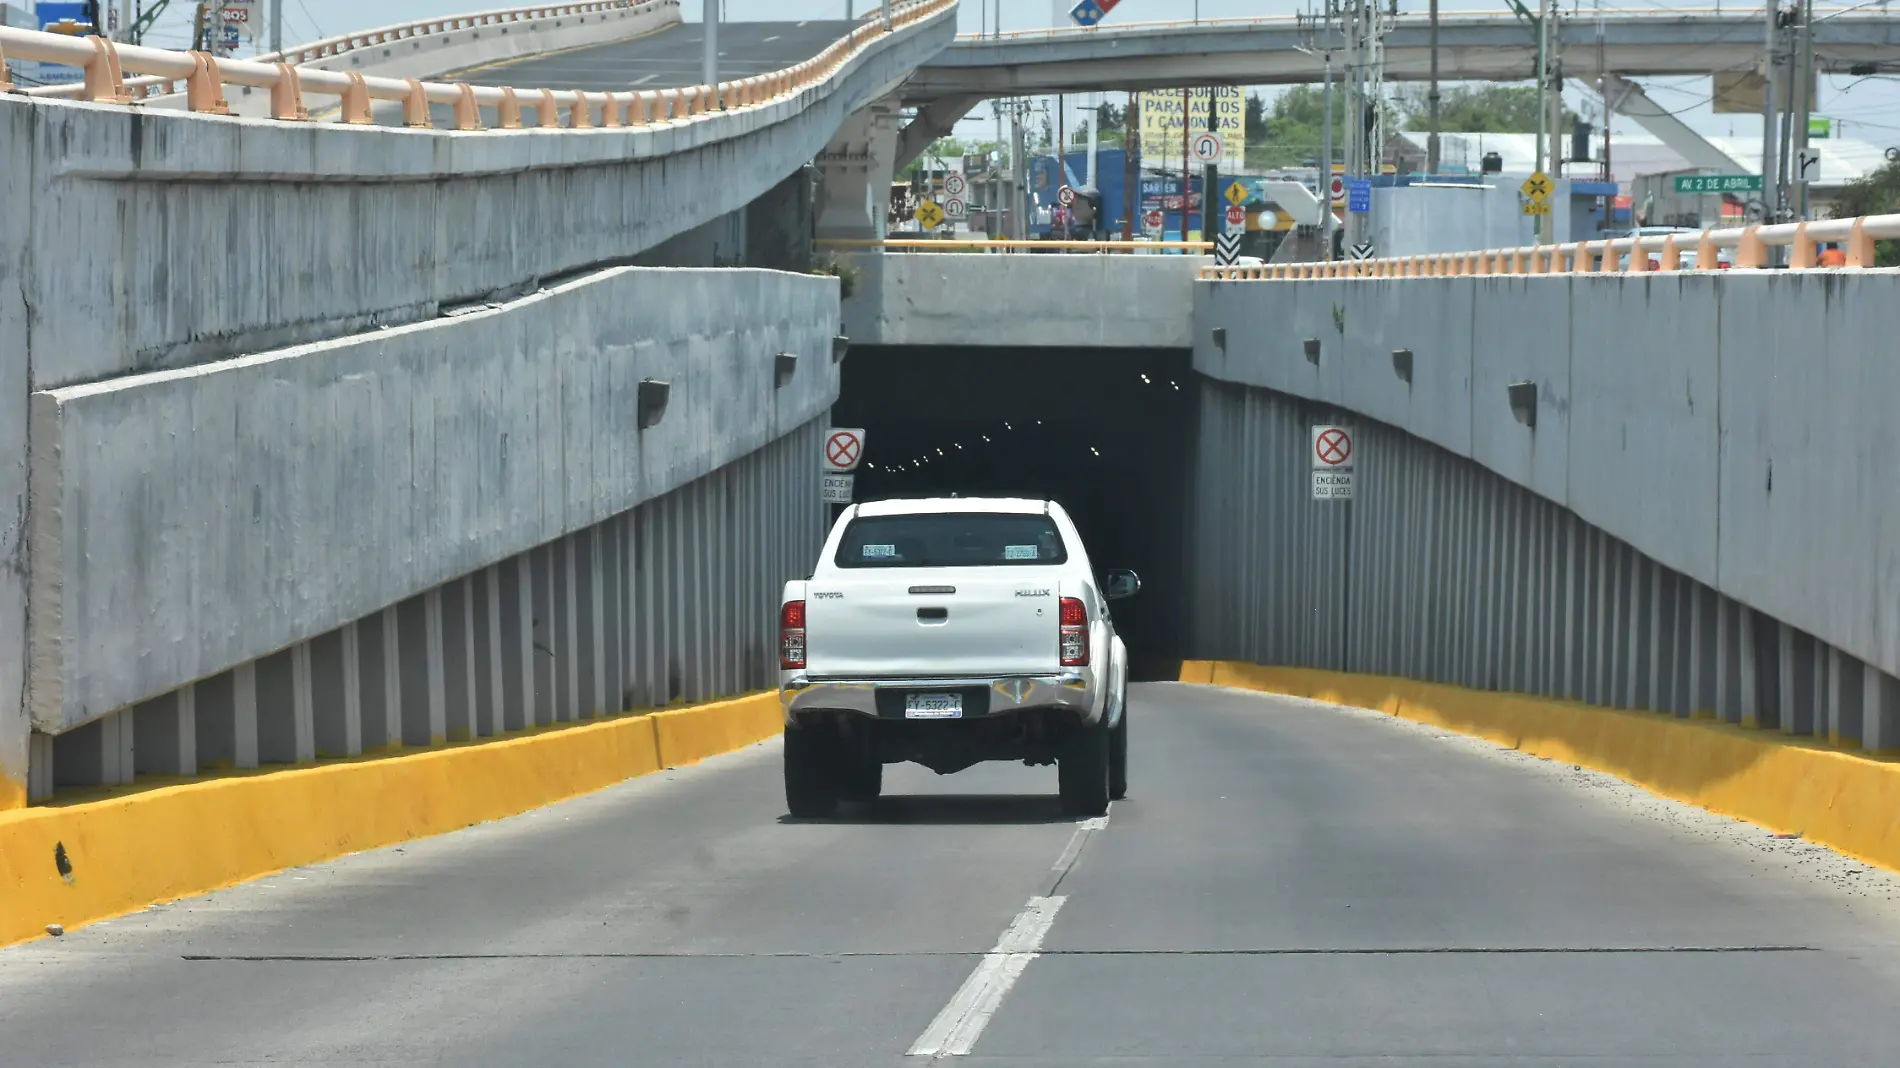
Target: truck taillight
(1075,633)
(791,636)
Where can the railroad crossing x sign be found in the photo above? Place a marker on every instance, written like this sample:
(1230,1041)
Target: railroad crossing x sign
(930,214)
(1536,188)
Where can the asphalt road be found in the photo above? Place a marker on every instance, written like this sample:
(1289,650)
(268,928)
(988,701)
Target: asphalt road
(1286,885)
(667,59)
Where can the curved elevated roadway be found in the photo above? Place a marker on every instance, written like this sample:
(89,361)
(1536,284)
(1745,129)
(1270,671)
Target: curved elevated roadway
(1287,884)
(669,58)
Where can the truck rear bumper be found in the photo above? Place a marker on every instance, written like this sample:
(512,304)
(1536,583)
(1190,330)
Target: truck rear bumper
(883,698)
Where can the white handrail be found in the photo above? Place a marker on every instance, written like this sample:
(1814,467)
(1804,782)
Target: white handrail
(1270,21)
(343,44)
(1856,236)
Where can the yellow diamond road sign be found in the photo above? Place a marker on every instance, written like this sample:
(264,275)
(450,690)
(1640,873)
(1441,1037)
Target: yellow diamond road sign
(1236,194)
(1536,188)
(1537,207)
(930,214)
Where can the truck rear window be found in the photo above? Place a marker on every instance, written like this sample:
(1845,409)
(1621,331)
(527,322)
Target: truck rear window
(951,539)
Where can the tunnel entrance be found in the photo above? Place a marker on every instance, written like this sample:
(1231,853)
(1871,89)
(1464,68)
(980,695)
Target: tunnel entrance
(1107,433)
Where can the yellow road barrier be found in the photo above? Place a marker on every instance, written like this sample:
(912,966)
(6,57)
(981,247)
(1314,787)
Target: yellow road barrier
(79,863)
(1843,800)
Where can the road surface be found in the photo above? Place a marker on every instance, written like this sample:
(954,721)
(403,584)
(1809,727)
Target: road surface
(668,59)
(1287,885)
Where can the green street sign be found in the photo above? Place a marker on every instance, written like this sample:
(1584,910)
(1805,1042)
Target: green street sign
(1718,183)
(1820,129)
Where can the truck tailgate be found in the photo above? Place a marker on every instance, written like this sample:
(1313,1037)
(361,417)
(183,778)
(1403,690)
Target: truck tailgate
(934,622)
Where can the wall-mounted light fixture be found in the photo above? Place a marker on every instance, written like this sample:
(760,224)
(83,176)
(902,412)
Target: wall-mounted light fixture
(1220,338)
(840,345)
(1524,402)
(653,397)
(1402,364)
(784,367)
(1312,351)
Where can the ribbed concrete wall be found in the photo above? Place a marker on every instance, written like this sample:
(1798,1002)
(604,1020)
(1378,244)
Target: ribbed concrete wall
(1442,569)
(185,521)
(1730,426)
(674,600)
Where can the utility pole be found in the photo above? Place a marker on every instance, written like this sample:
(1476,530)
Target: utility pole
(1805,86)
(1431,99)
(1210,177)
(1325,190)
(1095,140)
(1771,196)
(1556,100)
(709,63)
(1187,175)
(1131,165)
(276,26)
(1019,171)
(1546,15)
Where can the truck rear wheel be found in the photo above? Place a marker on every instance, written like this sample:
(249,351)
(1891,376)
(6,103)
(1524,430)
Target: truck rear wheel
(859,778)
(811,786)
(1082,770)
(1118,757)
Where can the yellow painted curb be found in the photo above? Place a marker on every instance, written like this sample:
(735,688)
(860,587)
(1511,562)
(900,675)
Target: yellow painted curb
(1846,801)
(154,845)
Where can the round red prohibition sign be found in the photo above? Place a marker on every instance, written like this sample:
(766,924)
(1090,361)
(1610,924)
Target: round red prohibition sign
(843,449)
(1333,447)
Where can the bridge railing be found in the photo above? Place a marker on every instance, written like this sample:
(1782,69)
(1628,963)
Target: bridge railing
(927,244)
(106,65)
(343,44)
(1621,255)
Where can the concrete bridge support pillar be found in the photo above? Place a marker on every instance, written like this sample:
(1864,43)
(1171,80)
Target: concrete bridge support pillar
(855,200)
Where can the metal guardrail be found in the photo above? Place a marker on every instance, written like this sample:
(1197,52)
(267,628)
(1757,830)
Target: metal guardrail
(1011,246)
(106,64)
(343,44)
(1625,255)
(1445,18)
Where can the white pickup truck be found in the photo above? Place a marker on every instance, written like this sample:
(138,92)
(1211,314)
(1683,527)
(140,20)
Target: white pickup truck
(948,632)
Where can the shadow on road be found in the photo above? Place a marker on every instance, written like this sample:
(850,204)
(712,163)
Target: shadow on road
(952,809)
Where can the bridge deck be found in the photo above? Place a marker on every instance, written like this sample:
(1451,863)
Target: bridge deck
(670,58)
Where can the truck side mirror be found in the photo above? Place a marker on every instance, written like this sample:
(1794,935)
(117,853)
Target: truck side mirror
(1117,585)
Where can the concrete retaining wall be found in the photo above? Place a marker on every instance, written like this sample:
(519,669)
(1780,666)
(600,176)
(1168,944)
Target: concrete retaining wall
(1732,427)
(1105,301)
(185,521)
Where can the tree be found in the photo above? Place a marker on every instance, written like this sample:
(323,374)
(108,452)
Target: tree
(1476,109)
(1875,193)
(1291,132)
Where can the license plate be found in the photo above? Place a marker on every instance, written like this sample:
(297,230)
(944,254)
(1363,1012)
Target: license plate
(933,706)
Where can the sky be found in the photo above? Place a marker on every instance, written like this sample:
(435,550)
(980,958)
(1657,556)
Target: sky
(1868,108)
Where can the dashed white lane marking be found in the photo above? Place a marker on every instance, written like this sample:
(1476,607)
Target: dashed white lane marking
(957,1027)
(644,79)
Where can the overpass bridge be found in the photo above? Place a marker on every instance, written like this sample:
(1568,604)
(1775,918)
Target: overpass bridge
(402,501)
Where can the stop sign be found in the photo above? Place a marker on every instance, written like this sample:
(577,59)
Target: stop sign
(1153,219)
(1339,187)
(1236,216)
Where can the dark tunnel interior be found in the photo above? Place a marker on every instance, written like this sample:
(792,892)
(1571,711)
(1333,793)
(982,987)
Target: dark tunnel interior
(1107,433)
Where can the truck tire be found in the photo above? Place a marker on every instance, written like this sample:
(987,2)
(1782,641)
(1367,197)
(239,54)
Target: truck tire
(1082,771)
(811,787)
(860,779)
(1118,757)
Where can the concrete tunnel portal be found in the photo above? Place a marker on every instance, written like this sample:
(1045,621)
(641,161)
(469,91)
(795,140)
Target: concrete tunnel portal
(1107,433)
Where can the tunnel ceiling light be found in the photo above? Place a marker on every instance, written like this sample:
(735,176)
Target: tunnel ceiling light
(1176,385)
(939,452)
(784,369)
(1095,450)
(1402,364)
(1312,351)
(653,395)
(1524,402)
